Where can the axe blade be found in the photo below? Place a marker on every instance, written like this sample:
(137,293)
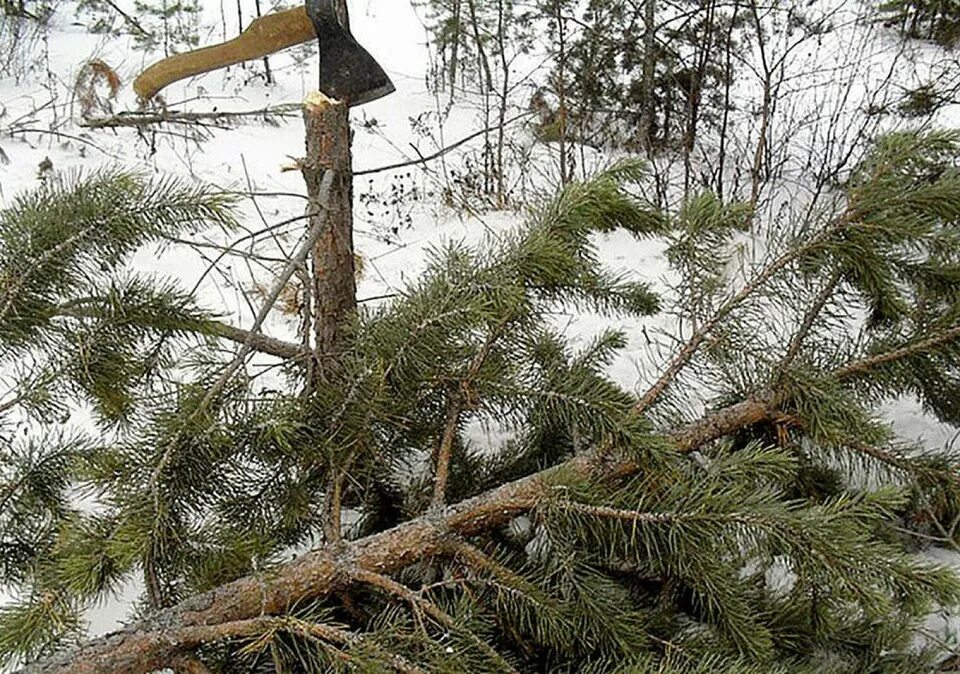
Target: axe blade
(347,71)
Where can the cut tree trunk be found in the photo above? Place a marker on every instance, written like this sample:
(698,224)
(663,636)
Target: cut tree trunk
(334,289)
(155,642)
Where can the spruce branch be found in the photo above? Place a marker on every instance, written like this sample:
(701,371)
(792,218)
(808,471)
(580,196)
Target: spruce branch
(809,320)
(475,558)
(903,463)
(261,631)
(900,195)
(333,507)
(62,251)
(445,450)
(919,347)
(148,645)
(51,468)
(460,399)
(226,375)
(887,456)
(394,549)
(700,335)
(421,605)
(252,335)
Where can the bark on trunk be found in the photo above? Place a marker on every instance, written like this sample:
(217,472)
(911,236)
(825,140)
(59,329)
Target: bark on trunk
(334,286)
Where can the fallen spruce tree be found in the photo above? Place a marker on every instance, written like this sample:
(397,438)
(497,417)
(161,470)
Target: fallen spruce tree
(776,531)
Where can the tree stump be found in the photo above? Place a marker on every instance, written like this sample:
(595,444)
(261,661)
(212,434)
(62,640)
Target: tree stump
(334,291)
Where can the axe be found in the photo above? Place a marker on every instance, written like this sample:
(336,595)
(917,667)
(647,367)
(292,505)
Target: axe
(347,71)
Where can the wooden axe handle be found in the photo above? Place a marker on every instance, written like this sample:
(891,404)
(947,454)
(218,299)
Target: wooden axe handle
(264,36)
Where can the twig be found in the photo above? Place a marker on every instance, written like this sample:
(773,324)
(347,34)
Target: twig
(141,119)
(332,507)
(133,23)
(436,155)
(60,134)
(418,603)
(809,319)
(444,452)
(230,248)
(865,365)
(259,342)
(653,517)
(458,400)
(298,259)
(699,336)
(256,340)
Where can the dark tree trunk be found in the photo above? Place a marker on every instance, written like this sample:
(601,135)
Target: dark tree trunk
(455,48)
(566,174)
(266,60)
(649,66)
(695,92)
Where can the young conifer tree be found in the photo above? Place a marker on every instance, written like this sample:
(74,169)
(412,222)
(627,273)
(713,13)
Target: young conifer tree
(609,531)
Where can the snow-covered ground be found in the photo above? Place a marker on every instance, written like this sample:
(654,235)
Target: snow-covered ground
(399,213)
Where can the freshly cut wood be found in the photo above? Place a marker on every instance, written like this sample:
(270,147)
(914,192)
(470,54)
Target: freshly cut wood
(266,35)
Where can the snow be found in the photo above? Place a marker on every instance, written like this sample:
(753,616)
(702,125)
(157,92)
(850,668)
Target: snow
(400,213)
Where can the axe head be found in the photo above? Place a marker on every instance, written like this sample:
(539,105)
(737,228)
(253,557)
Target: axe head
(347,71)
